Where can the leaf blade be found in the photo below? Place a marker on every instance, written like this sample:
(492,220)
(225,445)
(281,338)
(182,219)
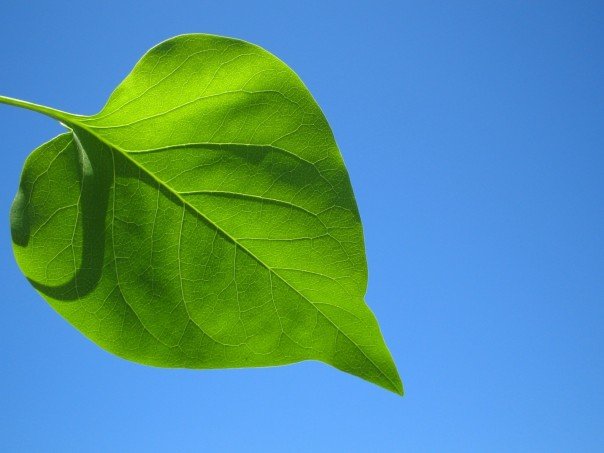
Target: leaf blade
(258,170)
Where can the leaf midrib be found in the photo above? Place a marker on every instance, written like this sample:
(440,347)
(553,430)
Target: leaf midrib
(74,120)
(233,240)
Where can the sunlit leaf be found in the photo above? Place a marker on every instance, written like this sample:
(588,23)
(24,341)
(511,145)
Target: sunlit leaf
(203,219)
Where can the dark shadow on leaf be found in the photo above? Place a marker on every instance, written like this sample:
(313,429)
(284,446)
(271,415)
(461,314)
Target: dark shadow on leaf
(96,182)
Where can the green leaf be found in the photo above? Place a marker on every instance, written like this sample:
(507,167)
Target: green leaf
(203,219)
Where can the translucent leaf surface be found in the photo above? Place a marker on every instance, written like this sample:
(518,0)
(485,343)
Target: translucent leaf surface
(203,219)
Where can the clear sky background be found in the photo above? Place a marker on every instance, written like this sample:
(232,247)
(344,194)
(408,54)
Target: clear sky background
(473,135)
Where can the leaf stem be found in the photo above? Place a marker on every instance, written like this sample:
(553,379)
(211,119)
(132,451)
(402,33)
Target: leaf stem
(53,113)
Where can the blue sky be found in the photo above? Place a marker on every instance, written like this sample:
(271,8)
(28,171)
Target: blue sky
(473,137)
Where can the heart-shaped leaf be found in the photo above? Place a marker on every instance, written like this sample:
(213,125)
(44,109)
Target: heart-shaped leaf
(203,219)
